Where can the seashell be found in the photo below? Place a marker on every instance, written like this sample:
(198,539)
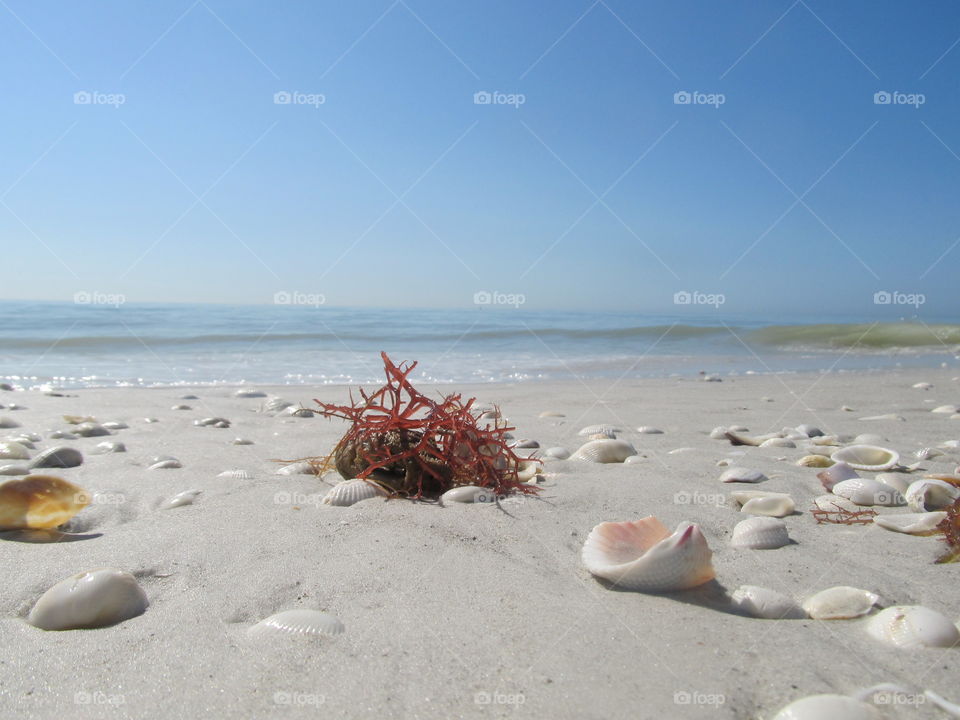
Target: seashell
(644,556)
(828,707)
(736,438)
(90,429)
(898,481)
(8,422)
(302,622)
(24,440)
(560,453)
(712,378)
(242,441)
(888,416)
(62,435)
(525,444)
(719,433)
(740,474)
(604,451)
(469,494)
(824,441)
(39,501)
(913,626)
(867,457)
(759,502)
(249,393)
(164,462)
(648,430)
(551,414)
(738,428)
(951,478)
(760,602)
(840,603)
(680,450)
(760,533)
(108,447)
(778,442)
(809,430)
(14,470)
(115,425)
(297,468)
(92,599)
(946,409)
(948,707)
(528,470)
(838,472)
(923,523)
(846,408)
(867,491)
(818,461)
(11,450)
(634,459)
(189,396)
(350,492)
(58,457)
(922,386)
(236,475)
(608,430)
(79,419)
(833,503)
(180,499)
(869,439)
(181,407)
(927,495)
(211,421)
(300,412)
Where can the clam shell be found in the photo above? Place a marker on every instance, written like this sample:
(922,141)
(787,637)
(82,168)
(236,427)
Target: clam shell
(92,599)
(828,707)
(809,430)
(350,492)
(741,474)
(609,430)
(39,501)
(469,494)
(898,481)
(561,453)
(105,448)
(922,386)
(241,441)
(719,433)
(838,472)
(913,626)
(778,442)
(12,450)
(760,533)
(888,416)
(551,414)
(90,429)
(818,461)
(58,457)
(236,475)
(649,430)
(923,523)
(297,468)
(249,393)
(8,422)
(305,623)
(758,502)
(760,602)
(867,492)
(867,457)
(165,464)
(115,425)
(180,499)
(604,451)
(14,470)
(928,494)
(840,603)
(644,556)
(833,503)
(946,409)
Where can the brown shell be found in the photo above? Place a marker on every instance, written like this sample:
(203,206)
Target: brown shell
(403,476)
(39,501)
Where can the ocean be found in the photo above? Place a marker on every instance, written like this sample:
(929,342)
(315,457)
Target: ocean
(71,345)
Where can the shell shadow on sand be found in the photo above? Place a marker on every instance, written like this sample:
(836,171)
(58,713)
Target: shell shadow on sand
(45,536)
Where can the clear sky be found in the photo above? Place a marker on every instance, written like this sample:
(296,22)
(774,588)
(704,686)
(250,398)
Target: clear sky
(582,185)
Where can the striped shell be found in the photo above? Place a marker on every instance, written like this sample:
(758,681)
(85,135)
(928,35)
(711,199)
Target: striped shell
(867,491)
(760,533)
(350,492)
(604,451)
(236,475)
(305,623)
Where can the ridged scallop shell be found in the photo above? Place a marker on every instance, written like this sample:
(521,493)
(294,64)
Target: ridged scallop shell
(867,457)
(760,533)
(609,430)
(868,492)
(840,603)
(469,494)
(834,503)
(350,492)
(743,475)
(92,599)
(913,626)
(39,501)
(604,451)
(926,495)
(11,450)
(180,499)
(768,604)
(304,623)
(923,523)
(758,502)
(838,472)
(644,556)
(236,475)
(828,707)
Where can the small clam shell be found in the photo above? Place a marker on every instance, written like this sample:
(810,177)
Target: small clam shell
(39,501)
(828,707)
(644,556)
(90,429)
(469,494)
(561,453)
(867,492)
(275,405)
(12,450)
(607,430)
(113,425)
(838,472)
(770,504)
(760,533)
(760,602)
(778,442)
(737,438)
(888,416)
(350,492)
(742,475)
(92,599)
(922,386)
(923,523)
(8,422)
(817,461)
(824,440)
(241,441)
(58,457)
(898,481)
(249,393)
(649,430)
(236,475)
(719,433)
(604,451)
(297,468)
(304,623)
(867,457)
(809,430)
(946,409)
(926,495)
(108,447)
(834,503)
(180,499)
(165,463)
(913,626)
(181,407)
(14,470)
(551,414)
(840,603)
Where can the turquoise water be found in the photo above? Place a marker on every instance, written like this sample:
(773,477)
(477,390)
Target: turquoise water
(76,345)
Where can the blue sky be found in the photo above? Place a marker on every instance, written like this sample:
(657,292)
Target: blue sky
(597,192)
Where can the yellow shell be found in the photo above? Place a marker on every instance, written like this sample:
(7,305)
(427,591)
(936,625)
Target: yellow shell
(39,501)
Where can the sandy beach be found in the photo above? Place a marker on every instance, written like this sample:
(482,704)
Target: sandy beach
(473,610)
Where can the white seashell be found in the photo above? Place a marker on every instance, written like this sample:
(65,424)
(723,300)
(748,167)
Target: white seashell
(8,422)
(181,407)
(824,441)
(947,409)
(923,523)
(608,430)
(276,404)
(867,457)
(153,420)
(740,474)
(249,393)
(180,499)
(888,416)
(922,386)
(108,447)
(867,491)
(469,494)
(561,453)
(526,444)
(297,468)
(605,451)
(90,429)
(926,495)
(14,470)
(648,430)
(528,470)
(305,623)
(913,626)
(681,450)
(778,442)
(91,599)
(300,412)
(760,602)
(242,441)
(211,421)
(828,707)
(115,425)
(840,603)
(869,439)
(927,453)
(236,475)
(350,492)
(164,462)
(948,707)
(719,433)
(634,459)
(712,378)
(838,472)
(57,457)
(551,414)
(644,556)
(11,450)
(760,533)
(758,502)
(737,438)
(834,503)
(898,481)
(818,461)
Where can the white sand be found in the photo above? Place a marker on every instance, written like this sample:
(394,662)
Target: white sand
(448,607)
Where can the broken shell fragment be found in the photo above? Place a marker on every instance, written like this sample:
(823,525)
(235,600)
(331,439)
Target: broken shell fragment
(828,707)
(926,495)
(924,523)
(758,502)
